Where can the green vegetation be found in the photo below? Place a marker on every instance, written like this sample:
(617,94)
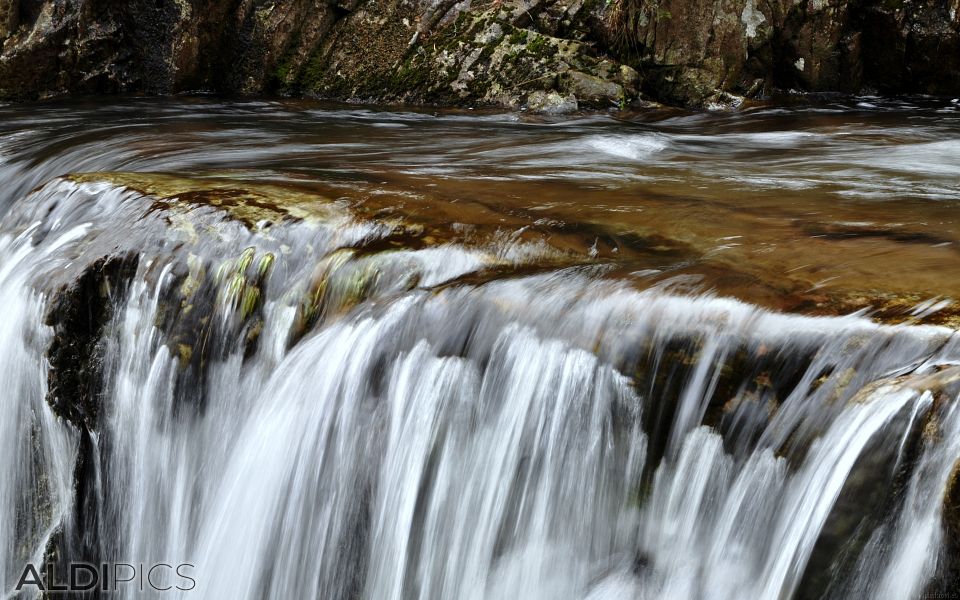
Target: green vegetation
(537,45)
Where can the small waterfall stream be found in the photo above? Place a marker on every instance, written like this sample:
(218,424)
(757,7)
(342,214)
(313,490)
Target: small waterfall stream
(320,408)
(36,474)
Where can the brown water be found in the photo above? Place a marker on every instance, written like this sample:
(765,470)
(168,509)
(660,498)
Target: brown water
(821,208)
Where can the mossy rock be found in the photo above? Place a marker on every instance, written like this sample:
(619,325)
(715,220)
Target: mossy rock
(951,503)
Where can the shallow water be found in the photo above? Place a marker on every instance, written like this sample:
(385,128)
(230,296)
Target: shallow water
(772,204)
(331,352)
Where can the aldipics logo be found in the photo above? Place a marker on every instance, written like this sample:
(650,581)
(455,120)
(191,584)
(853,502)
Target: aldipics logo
(108,577)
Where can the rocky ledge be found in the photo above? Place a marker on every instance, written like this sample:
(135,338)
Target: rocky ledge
(548,55)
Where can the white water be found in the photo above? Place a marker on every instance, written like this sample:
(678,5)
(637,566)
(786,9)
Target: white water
(365,462)
(551,436)
(37,450)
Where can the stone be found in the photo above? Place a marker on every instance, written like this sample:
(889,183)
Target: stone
(592,88)
(552,103)
(9,17)
(629,76)
(951,502)
(680,52)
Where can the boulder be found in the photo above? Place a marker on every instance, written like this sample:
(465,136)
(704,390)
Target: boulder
(592,88)
(551,103)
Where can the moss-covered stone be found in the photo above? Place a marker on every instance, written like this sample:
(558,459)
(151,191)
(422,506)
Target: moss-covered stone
(79,313)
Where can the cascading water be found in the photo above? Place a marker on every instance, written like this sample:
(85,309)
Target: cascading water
(309,398)
(38,451)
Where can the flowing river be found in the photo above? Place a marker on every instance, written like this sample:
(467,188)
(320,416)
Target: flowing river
(329,352)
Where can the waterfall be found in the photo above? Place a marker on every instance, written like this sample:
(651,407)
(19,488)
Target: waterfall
(315,408)
(37,449)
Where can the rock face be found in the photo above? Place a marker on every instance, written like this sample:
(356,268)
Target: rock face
(705,50)
(495,52)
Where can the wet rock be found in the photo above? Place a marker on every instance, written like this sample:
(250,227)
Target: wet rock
(946,579)
(951,502)
(887,463)
(79,313)
(552,103)
(257,206)
(592,88)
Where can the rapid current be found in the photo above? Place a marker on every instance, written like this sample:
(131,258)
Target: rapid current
(339,353)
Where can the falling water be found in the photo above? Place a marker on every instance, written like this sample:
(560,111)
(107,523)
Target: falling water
(37,449)
(326,406)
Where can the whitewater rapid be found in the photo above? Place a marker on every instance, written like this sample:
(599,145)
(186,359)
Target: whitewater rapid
(337,408)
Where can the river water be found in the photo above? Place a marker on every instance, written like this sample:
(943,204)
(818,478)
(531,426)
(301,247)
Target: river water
(329,352)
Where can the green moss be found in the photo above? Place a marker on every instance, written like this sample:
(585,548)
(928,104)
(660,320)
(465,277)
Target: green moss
(518,37)
(513,58)
(185,353)
(281,73)
(487,52)
(246,259)
(250,300)
(266,262)
(279,78)
(312,73)
(409,76)
(537,45)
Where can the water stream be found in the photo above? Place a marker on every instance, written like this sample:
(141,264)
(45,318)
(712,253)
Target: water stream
(324,352)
